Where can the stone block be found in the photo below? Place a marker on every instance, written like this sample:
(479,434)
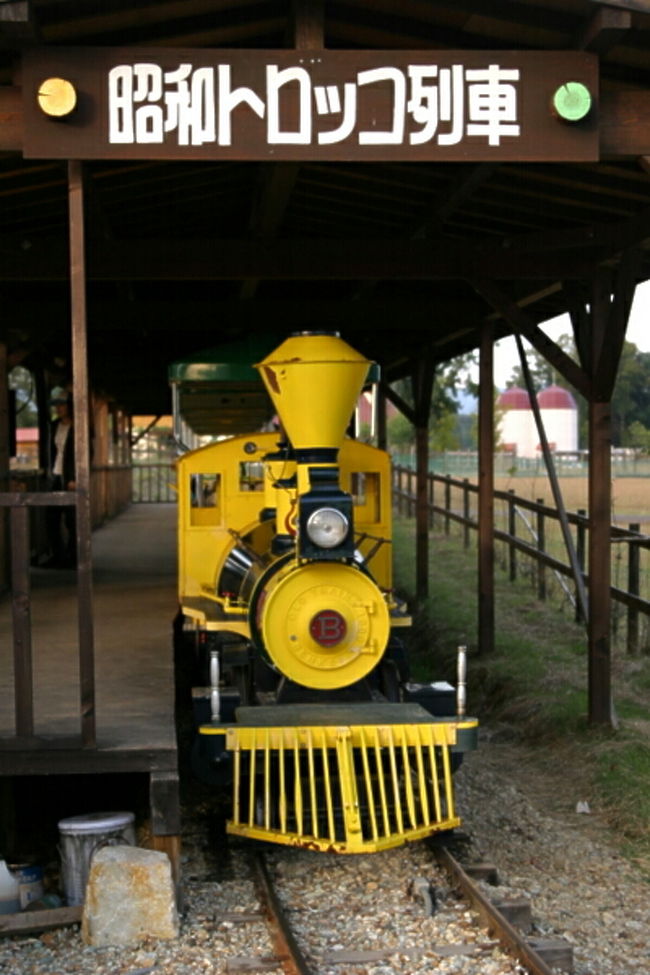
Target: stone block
(130,896)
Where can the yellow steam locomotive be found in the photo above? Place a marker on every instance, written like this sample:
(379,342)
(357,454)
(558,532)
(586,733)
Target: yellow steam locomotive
(303,705)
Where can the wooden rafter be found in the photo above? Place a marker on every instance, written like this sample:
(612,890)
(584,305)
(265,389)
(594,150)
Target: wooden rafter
(398,402)
(278,181)
(521,322)
(619,312)
(577,310)
(603,30)
(201,259)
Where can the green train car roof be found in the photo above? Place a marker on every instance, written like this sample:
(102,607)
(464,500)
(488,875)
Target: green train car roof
(221,393)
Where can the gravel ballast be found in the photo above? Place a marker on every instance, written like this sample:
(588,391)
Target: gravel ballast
(518,814)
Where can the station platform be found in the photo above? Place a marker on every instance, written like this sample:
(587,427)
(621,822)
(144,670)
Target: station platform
(134,601)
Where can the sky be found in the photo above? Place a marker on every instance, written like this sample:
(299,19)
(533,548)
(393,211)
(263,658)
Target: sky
(638,331)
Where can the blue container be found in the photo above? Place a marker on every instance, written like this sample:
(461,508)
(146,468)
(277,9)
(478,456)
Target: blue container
(30,882)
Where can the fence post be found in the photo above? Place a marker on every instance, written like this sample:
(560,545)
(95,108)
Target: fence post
(633,578)
(430,497)
(466,512)
(541,547)
(512,532)
(580,554)
(411,494)
(447,502)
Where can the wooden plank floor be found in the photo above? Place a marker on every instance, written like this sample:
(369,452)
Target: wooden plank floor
(134,558)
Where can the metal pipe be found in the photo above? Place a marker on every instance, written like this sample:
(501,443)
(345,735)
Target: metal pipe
(461,682)
(215,703)
(581,591)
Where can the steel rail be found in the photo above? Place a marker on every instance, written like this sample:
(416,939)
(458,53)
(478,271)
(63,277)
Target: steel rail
(286,947)
(497,925)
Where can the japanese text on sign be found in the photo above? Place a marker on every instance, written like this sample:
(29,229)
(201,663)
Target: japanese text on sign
(428,104)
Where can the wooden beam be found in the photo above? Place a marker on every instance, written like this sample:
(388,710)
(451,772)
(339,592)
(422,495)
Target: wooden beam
(624,123)
(603,30)
(278,181)
(640,6)
(308,25)
(578,313)
(521,322)
(11,119)
(292,260)
(398,402)
(461,190)
(128,18)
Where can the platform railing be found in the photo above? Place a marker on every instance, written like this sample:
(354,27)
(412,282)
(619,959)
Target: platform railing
(153,483)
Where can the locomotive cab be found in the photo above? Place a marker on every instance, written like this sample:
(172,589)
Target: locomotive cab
(285,582)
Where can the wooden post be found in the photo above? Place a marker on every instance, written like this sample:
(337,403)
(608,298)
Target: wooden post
(422,380)
(486,492)
(82,452)
(380,417)
(512,532)
(581,549)
(600,443)
(541,547)
(633,580)
(421,512)
(43,408)
(164,804)
(22,624)
(4,460)
(447,503)
(466,512)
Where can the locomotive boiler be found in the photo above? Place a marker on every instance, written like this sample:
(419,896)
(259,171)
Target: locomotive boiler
(304,709)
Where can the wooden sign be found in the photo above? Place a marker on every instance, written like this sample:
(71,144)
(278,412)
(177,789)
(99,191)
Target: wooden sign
(170,103)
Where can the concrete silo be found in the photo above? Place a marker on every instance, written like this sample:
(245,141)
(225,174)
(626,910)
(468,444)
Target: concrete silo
(559,412)
(517,424)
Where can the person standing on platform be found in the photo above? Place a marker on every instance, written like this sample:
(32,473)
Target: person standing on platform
(62,521)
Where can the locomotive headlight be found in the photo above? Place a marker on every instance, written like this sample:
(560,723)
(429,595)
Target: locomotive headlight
(327,527)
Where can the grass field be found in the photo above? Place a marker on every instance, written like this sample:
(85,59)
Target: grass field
(535,683)
(631,505)
(630,495)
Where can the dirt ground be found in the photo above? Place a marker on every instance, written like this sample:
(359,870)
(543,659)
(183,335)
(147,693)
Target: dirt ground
(630,495)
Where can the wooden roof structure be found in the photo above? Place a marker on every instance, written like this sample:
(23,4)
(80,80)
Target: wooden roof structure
(463,171)
(185,254)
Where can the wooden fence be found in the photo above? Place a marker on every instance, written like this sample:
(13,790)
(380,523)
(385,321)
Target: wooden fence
(454,501)
(154,483)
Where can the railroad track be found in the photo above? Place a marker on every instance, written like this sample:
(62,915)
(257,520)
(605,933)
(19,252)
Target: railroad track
(443,913)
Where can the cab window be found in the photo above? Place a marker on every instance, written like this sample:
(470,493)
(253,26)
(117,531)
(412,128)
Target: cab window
(365,495)
(251,476)
(205,499)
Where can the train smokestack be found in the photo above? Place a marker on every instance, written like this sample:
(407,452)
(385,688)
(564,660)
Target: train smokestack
(314,380)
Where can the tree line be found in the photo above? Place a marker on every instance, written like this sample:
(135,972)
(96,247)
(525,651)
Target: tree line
(452,430)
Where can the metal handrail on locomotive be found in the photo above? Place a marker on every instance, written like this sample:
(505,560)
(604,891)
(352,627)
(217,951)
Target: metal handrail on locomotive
(303,705)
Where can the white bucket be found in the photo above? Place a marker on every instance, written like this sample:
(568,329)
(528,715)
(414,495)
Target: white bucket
(81,836)
(9,891)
